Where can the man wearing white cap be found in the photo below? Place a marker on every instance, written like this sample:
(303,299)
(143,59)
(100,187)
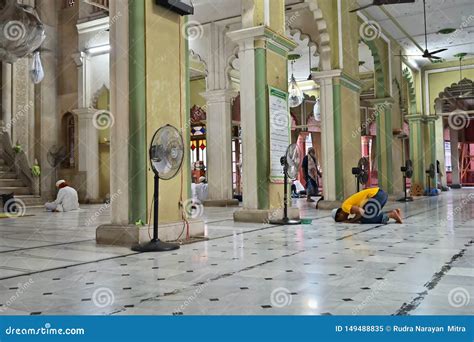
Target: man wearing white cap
(66,200)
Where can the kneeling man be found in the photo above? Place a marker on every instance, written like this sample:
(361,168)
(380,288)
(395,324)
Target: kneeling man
(367,206)
(66,200)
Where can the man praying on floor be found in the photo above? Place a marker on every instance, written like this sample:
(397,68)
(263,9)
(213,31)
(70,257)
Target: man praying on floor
(366,207)
(66,200)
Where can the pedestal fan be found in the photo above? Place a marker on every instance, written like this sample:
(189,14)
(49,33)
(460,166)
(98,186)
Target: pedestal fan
(407,174)
(291,164)
(431,174)
(361,172)
(166,156)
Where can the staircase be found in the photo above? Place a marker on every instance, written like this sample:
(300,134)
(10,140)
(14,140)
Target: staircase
(9,182)
(13,179)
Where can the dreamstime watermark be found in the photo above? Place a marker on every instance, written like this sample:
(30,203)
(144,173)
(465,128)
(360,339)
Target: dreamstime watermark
(281,120)
(19,291)
(280,297)
(372,209)
(103,208)
(370,30)
(21,113)
(14,207)
(97,38)
(464,25)
(103,297)
(192,298)
(103,119)
(193,208)
(458,120)
(459,297)
(193,30)
(370,298)
(14,30)
(459,208)
(372,117)
(46,330)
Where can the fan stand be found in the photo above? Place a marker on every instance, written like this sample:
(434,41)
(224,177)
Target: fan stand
(406,198)
(285,220)
(155,245)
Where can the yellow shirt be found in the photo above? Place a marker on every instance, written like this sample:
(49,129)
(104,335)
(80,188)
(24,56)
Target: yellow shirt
(358,199)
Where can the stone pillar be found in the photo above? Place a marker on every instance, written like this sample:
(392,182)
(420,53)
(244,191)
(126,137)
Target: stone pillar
(263,53)
(328,146)
(136,78)
(7,97)
(455,172)
(416,148)
(88,144)
(431,148)
(219,147)
(83,79)
(383,114)
(46,97)
(22,105)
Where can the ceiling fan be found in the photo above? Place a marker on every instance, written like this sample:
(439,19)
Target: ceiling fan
(382,2)
(426,54)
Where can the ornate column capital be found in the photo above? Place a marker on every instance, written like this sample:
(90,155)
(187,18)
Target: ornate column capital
(220,95)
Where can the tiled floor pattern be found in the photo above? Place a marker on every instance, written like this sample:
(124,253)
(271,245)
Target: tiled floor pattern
(50,264)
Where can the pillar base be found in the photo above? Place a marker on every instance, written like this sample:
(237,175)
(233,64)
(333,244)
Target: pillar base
(221,203)
(128,235)
(455,186)
(329,205)
(264,216)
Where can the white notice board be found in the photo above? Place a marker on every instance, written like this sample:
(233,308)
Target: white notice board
(279,131)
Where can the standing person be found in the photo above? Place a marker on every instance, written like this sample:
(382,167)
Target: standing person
(367,207)
(311,173)
(67,199)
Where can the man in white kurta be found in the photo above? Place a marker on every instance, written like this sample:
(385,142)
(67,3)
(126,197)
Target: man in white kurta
(67,199)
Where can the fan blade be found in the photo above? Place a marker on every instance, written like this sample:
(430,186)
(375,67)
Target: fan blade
(361,8)
(437,51)
(434,57)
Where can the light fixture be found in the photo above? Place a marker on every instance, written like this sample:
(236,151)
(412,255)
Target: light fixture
(295,93)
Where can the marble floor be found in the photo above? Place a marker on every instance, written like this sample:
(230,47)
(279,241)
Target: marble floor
(50,265)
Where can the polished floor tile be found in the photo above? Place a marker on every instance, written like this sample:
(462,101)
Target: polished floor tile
(50,264)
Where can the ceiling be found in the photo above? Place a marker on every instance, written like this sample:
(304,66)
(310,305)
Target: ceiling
(206,11)
(457,14)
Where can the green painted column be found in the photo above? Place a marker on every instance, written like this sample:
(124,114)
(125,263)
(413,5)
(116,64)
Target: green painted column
(137,116)
(261,125)
(383,108)
(416,148)
(431,150)
(338,146)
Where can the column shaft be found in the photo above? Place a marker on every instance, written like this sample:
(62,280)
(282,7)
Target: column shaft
(455,174)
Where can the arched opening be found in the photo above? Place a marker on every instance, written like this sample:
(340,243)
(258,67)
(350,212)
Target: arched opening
(69,129)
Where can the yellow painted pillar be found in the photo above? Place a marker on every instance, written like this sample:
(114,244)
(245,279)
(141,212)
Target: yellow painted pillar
(158,95)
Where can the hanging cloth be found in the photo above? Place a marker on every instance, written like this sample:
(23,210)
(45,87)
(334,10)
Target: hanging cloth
(36,72)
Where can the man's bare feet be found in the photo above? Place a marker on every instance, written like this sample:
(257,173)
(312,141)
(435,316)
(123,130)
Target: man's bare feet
(394,214)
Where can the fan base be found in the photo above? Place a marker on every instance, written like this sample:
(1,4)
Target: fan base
(403,199)
(155,246)
(285,221)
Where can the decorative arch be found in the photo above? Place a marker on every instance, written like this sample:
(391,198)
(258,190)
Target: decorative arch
(231,69)
(195,58)
(69,125)
(322,38)
(98,94)
(378,69)
(407,76)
